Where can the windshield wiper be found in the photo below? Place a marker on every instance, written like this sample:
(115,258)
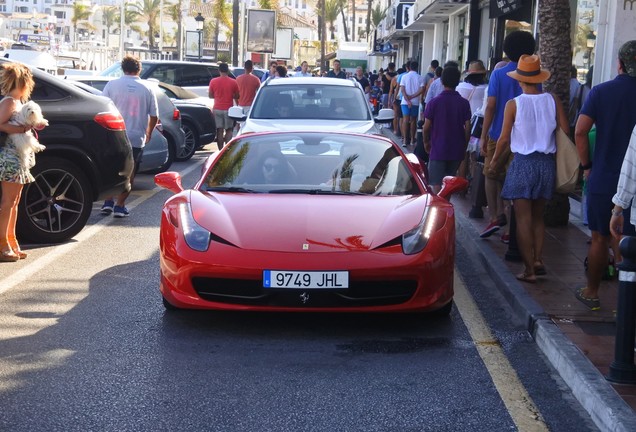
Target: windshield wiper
(315,192)
(230,189)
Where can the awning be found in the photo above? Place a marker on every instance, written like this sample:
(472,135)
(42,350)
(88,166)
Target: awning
(383,49)
(428,12)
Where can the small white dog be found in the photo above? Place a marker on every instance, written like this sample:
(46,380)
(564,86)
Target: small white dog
(29,115)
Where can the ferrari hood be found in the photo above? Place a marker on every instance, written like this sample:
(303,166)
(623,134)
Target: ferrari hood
(296,223)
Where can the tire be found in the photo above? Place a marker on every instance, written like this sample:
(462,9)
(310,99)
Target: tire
(191,142)
(57,205)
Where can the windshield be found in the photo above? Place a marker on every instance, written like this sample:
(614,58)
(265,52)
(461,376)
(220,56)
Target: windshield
(311,102)
(311,164)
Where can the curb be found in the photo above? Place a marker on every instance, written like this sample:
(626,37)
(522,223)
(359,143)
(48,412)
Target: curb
(597,396)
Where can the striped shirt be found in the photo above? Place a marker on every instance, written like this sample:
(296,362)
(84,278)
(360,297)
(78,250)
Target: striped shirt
(626,190)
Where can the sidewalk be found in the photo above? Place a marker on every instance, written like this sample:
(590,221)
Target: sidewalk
(578,342)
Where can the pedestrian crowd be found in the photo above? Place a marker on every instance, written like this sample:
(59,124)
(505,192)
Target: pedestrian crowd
(501,127)
(498,127)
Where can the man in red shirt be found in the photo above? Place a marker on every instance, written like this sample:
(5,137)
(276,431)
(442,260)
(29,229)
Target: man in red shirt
(248,84)
(225,92)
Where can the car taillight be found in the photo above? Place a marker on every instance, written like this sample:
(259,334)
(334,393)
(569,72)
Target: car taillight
(176,115)
(110,120)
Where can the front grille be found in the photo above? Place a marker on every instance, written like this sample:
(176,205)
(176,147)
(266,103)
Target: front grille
(251,292)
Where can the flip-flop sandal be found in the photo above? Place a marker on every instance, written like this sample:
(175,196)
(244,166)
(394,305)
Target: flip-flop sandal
(524,277)
(592,303)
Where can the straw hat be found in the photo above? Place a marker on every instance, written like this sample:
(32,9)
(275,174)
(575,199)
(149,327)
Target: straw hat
(476,67)
(529,70)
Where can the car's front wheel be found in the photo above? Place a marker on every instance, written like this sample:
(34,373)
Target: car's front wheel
(56,206)
(191,142)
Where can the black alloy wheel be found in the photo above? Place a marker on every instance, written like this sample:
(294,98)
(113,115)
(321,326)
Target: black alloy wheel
(191,142)
(57,205)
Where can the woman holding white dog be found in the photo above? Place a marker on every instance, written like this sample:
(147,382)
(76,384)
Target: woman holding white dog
(16,84)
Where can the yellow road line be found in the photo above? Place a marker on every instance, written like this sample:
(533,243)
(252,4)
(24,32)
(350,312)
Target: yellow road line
(520,406)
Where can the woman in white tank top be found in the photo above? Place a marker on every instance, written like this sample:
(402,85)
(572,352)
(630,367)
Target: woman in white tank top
(530,122)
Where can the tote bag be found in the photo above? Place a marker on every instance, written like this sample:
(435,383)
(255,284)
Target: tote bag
(567,163)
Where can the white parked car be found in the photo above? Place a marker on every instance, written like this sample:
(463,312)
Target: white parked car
(310,104)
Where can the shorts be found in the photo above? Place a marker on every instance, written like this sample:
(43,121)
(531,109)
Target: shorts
(413,111)
(438,169)
(503,167)
(599,213)
(222,120)
(137,156)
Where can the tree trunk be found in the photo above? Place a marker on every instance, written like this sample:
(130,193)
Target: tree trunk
(353,21)
(555,49)
(368,28)
(344,24)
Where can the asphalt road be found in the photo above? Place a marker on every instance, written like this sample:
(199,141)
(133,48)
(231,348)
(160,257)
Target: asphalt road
(86,345)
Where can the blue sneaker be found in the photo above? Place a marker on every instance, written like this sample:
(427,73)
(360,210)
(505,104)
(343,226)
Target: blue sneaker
(107,208)
(120,212)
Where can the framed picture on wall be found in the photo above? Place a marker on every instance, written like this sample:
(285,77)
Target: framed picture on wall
(260,30)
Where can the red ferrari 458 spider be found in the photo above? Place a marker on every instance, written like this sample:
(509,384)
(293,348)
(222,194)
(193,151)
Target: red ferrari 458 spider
(290,221)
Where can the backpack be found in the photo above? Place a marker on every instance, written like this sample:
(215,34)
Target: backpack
(575,107)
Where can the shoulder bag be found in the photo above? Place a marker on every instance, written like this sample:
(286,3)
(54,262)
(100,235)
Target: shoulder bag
(567,163)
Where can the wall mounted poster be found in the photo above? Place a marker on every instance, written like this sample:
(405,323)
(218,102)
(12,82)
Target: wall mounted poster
(260,30)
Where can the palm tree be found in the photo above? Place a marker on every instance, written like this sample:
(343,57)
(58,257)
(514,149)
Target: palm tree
(353,20)
(174,13)
(222,18)
(378,15)
(80,13)
(342,7)
(555,49)
(109,18)
(369,7)
(148,11)
(331,15)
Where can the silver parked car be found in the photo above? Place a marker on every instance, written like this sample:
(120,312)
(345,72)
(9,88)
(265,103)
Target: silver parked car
(310,104)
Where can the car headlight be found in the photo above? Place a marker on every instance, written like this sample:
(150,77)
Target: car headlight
(415,240)
(197,237)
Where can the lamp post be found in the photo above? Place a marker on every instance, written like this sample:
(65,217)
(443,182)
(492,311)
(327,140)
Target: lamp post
(590,42)
(200,19)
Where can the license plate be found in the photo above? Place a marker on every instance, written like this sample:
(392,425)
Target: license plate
(307,279)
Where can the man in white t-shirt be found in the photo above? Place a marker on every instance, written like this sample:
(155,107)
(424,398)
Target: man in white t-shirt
(411,86)
(137,104)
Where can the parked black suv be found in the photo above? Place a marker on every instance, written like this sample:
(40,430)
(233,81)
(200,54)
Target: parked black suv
(87,158)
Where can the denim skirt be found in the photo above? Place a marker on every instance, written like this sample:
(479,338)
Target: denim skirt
(530,176)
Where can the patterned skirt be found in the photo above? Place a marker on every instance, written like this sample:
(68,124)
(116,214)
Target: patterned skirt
(530,177)
(11,167)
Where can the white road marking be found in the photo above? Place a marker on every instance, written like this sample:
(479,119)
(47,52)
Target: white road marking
(518,402)
(37,265)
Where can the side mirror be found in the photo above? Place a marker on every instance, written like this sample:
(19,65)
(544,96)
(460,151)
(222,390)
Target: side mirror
(451,185)
(170,180)
(236,113)
(384,116)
